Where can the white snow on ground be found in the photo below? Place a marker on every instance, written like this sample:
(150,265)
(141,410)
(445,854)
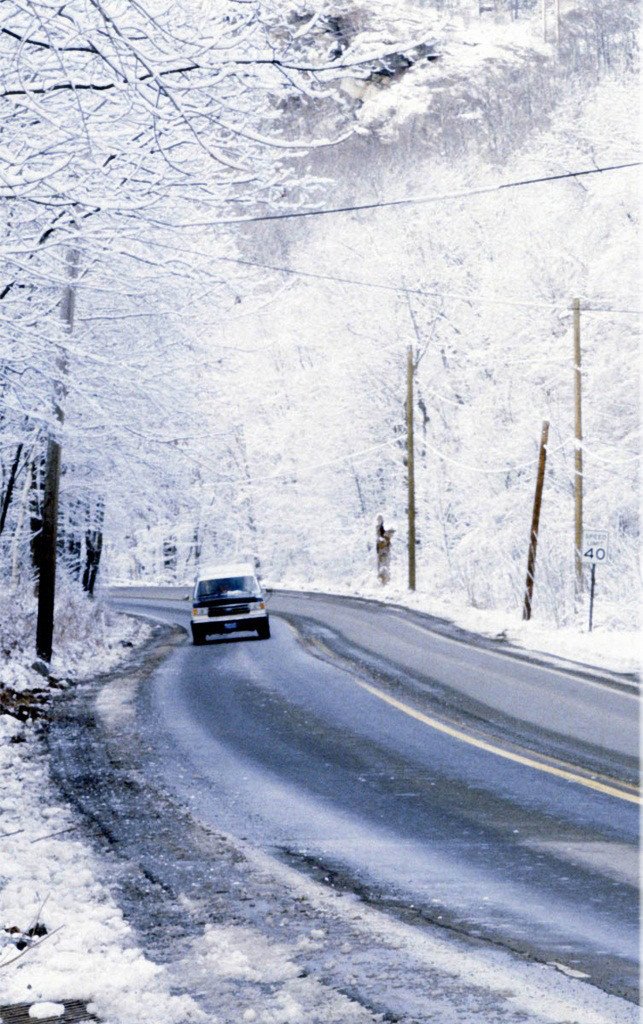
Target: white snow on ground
(610,650)
(40,1011)
(544,993)
(90,638)
(260,981)
(50,877)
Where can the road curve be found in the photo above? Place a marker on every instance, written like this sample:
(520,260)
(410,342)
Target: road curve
(445,781)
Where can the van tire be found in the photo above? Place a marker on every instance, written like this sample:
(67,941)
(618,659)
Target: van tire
(263,631)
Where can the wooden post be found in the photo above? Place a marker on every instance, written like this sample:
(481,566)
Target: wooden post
(48,543)
(592,588)
(544,19)
(535,522)
(410,464)
(49,535)
(578,462)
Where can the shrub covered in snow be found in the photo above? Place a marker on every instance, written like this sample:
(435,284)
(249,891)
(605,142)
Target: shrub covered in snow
(90,638)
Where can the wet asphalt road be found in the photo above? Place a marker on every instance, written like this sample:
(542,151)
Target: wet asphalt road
(401,791)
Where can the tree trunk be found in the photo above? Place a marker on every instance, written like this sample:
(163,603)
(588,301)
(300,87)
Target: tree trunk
(70,537)
(170,555)
(8,494)
(35,521)
(17,534)
(383,539)
(47,585)
(48,551)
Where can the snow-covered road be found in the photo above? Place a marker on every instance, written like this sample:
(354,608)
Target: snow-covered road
(282,745)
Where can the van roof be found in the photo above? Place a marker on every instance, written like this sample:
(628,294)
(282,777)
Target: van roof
(217,572)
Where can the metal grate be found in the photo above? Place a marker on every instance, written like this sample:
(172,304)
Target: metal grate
(76,1012)
(229,609)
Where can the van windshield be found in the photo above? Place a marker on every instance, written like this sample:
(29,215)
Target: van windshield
(229,586)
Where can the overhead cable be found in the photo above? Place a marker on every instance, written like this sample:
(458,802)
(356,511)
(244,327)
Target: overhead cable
(422,200)
(405,290)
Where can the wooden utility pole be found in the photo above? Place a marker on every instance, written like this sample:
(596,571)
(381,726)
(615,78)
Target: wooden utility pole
(578,461)
(410,464)
(51,483)
(544,18)
(535,522)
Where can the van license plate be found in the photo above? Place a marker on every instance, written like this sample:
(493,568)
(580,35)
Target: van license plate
(230,625)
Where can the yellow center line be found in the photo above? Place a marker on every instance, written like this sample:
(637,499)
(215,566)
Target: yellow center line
(473,741)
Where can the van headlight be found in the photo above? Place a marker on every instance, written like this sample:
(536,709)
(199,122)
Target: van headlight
(197,612)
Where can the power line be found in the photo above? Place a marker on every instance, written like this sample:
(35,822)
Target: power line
(419,200)
(404,290)
(487,471)
(587,307)
(281,476)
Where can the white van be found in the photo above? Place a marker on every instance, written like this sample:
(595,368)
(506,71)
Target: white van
(227,599)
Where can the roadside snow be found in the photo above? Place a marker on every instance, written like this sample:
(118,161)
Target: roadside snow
(61,934)
(76,943)
(90,638)
(277,991)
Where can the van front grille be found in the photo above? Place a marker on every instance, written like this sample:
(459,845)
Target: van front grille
(229,609)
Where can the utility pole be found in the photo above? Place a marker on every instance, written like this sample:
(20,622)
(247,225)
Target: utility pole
(544,18)
(578,462)
(535,522)
(410,464)
(51,483)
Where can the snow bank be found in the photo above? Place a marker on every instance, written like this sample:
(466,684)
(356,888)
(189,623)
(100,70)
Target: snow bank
(89,638)
(61,935)
(76,944)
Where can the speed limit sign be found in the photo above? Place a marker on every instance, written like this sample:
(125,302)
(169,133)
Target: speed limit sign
(594,551)
(595,546)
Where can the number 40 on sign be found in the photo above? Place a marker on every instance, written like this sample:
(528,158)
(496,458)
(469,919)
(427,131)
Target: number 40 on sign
(595,546)
(595,551)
